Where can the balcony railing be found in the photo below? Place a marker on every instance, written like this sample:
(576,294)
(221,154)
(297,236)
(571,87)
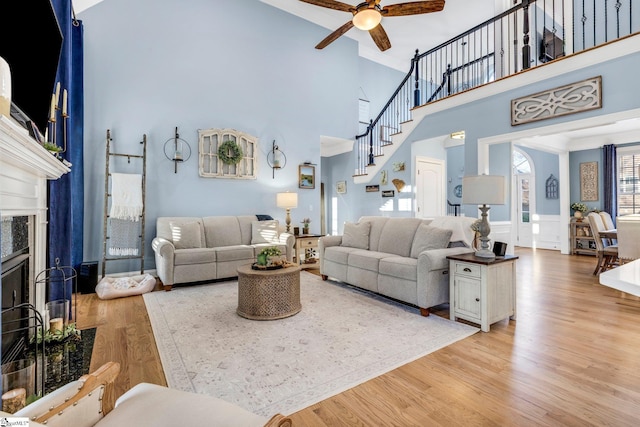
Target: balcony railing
(529,34)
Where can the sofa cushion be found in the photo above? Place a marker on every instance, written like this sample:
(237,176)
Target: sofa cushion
(224,231)
(429,237)
(366,260)
(462,234)
(397,235)
(264,231)
(338,254)
(402,267)
(186,235)
(194,256)
(356,235)
(234,253)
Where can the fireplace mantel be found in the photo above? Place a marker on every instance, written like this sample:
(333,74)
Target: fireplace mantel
(25,168)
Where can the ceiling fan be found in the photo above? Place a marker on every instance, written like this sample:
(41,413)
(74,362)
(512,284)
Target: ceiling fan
(368,14)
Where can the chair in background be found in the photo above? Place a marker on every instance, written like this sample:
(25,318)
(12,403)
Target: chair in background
(628,238)
(606,252)
(608,222)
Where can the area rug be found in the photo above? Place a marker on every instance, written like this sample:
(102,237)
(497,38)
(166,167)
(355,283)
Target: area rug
(342,337)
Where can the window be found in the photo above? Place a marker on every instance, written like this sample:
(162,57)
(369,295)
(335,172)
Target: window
(628,181)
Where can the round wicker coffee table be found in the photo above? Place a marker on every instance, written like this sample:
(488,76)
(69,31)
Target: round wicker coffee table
(268,294)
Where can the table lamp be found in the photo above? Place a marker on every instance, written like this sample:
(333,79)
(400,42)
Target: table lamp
(287,201)
(483,190)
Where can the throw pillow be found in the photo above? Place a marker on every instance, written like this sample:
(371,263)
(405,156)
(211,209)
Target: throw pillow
(186,235)
(458,237)
(264,231)
(428,237)
(356,235)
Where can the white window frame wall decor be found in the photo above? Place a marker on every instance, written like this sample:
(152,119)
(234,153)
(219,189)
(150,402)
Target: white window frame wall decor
(209,163)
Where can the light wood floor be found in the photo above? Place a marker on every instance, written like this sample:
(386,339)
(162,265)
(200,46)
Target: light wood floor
(571,358)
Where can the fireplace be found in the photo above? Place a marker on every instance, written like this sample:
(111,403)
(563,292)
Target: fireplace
(15,286)
(25,167)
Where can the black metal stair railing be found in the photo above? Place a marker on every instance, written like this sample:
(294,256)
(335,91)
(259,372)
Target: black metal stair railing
(527,35)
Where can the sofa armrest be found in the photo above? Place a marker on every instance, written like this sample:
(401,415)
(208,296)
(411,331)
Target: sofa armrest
(289,240)
(436,259)
(326,242)
(164,254)
(80,403)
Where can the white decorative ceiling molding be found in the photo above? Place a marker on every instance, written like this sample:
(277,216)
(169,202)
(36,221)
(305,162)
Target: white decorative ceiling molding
(569,99)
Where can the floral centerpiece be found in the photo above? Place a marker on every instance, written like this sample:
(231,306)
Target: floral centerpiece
(305,225)
(579,209)
(270,256)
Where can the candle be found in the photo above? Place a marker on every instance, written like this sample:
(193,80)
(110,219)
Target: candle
(55,324)
(52,111)
(14,400)
(64,103)
(57,93)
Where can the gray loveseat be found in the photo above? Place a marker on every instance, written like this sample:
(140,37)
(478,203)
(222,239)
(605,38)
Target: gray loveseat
(401,258)
(194,249)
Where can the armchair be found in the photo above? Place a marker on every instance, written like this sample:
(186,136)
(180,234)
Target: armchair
(82,403)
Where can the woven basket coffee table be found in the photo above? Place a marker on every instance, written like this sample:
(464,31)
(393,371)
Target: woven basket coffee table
(268,294)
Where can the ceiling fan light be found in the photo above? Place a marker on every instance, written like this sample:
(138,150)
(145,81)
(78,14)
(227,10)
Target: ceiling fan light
(367,19)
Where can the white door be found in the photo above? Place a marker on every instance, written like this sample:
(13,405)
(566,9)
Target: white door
(431,187)
(525,208)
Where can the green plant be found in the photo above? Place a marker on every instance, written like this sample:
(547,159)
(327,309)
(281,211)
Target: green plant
(230,153)
(271,251)
(52,147)
(306,221)
(580,207)
(57,336)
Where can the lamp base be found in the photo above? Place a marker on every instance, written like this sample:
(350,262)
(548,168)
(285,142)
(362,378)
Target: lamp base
(485,253)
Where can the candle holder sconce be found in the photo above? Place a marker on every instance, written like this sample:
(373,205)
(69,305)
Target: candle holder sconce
(177,150)
(276,158)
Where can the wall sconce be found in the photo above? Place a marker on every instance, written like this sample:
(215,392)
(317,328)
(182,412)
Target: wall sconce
(483,190)
(177,150)
(276,158)
(287,201)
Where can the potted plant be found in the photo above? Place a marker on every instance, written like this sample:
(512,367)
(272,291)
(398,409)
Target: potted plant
(579,210)
(305,225)
(267,255)
(52,148)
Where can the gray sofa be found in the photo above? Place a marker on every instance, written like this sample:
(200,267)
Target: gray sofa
(401,258)
(194,249)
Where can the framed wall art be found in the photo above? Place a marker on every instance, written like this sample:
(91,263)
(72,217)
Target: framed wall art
(307,176)
(589,181)
(341,187)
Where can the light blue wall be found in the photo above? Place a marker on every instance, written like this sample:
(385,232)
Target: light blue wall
(544,164)
(152,65)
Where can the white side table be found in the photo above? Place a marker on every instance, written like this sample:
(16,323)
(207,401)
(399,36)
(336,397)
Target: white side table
(482,290)
(306,250)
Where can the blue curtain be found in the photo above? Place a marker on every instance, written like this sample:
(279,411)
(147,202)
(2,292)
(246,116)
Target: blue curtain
(66,195)
(610,180)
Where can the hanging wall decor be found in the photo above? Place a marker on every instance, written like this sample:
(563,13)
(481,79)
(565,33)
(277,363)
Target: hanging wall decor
(552,187)
(589,181)
(227,153)
(572,98)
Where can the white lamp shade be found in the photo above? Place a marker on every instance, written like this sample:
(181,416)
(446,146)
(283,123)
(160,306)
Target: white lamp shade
(483,190)
(287,200)
(367,19)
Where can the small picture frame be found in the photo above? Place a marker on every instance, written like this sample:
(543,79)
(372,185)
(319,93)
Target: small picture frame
(307,176)
(388,193)
(341,187)
(373,188)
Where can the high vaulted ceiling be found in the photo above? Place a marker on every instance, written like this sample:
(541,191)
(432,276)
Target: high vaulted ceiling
(406,33)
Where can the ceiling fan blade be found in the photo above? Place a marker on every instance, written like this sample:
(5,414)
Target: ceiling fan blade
(333,36)
(379,36)
(413,8)
(331,4)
